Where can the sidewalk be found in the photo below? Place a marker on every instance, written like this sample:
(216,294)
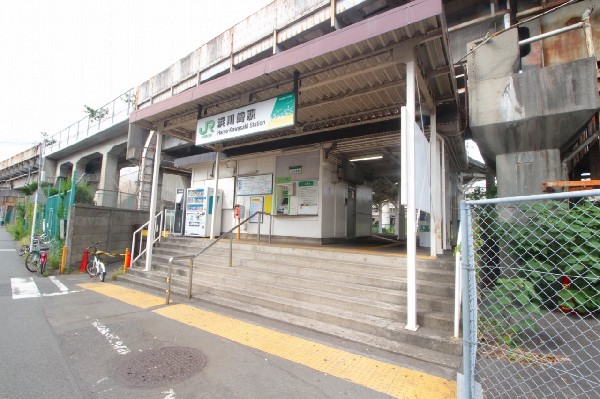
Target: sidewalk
(380,376)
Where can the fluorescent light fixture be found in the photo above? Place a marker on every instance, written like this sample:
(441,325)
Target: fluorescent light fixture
(366,158)
(586,174)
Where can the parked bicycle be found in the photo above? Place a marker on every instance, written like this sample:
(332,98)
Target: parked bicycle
(37,259)
(37,241)
(95,267)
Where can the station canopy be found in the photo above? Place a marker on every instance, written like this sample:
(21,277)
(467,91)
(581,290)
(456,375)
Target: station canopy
(351,85)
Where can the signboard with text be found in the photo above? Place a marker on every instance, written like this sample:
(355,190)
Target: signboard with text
(275,113)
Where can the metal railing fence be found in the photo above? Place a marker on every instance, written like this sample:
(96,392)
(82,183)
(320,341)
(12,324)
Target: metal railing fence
(531,296)
(137,238)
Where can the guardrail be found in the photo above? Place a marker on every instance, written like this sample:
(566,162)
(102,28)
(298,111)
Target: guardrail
(157,235)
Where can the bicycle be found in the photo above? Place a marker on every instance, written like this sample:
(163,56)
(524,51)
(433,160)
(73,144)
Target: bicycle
(95,266)
(37,241)
(37,260)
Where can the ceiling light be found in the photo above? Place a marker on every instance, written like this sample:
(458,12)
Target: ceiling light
(366,158)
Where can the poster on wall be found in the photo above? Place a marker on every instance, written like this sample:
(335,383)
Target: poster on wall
(256,204)
(308,197)
(255,185)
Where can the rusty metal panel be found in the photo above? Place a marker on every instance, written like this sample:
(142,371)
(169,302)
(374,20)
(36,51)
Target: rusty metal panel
(569,46)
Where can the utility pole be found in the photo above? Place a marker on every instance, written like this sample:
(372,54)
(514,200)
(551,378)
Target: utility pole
(35,201)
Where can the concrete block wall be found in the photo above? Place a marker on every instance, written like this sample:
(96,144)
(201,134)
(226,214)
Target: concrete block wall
(88,224)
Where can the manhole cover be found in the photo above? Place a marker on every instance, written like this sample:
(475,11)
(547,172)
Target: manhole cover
(158,366)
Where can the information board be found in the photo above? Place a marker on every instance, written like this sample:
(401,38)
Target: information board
(256,205)
(255,185)
(308,197)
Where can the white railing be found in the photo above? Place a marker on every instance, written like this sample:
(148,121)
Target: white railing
(159,222)
(116,111)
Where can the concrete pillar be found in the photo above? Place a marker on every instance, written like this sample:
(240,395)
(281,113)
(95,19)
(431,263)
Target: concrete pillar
(136,137)
(522,173)
(108,186)
(50,175)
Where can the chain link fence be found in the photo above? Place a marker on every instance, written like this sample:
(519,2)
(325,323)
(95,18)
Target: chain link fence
(531,296)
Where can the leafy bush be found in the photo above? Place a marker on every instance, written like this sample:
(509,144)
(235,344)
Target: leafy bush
(84,194)
(21,227)
(55,254)
(560,239)
(510,317)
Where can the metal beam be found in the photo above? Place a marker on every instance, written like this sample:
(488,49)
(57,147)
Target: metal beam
(360,92)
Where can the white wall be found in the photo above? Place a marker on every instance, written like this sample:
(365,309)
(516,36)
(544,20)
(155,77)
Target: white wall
(331,219)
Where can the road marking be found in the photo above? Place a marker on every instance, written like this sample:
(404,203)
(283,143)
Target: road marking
(383,377)
(8,250)
(112,339)
(24,288)
(61,286)
(27,288)
(170,394)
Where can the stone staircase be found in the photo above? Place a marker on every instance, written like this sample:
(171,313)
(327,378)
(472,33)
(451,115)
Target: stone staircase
(356,296)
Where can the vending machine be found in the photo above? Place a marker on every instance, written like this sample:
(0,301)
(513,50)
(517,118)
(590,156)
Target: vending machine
(198,212)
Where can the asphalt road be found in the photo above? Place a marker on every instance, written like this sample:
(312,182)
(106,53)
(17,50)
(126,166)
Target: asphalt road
(72,343)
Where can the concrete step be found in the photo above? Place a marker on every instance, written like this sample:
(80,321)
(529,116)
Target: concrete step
(217,273)
(436,282)
(233,287)
(364,278)
(426,338)
(443,364)
(397,270)
(345,256)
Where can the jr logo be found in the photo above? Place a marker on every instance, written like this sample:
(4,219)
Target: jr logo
(208,128)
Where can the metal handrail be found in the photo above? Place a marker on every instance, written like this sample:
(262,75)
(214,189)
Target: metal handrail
(155,239)
(193,256)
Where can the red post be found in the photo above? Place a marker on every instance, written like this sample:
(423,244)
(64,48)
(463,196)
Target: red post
(84,260)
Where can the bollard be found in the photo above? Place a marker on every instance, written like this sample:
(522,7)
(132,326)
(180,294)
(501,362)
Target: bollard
(63,260)
(84,260)
(127,261)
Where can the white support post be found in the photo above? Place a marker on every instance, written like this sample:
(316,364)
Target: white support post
(411,222)
(153,200)
(213,217)
(435,223)
(444,213)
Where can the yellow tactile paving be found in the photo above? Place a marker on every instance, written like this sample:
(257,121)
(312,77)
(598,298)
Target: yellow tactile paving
(384,377)
(132,297)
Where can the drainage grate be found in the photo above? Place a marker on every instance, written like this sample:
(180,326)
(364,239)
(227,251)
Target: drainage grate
(159,366)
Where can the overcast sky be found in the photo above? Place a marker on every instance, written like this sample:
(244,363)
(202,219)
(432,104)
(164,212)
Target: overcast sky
(59,55)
